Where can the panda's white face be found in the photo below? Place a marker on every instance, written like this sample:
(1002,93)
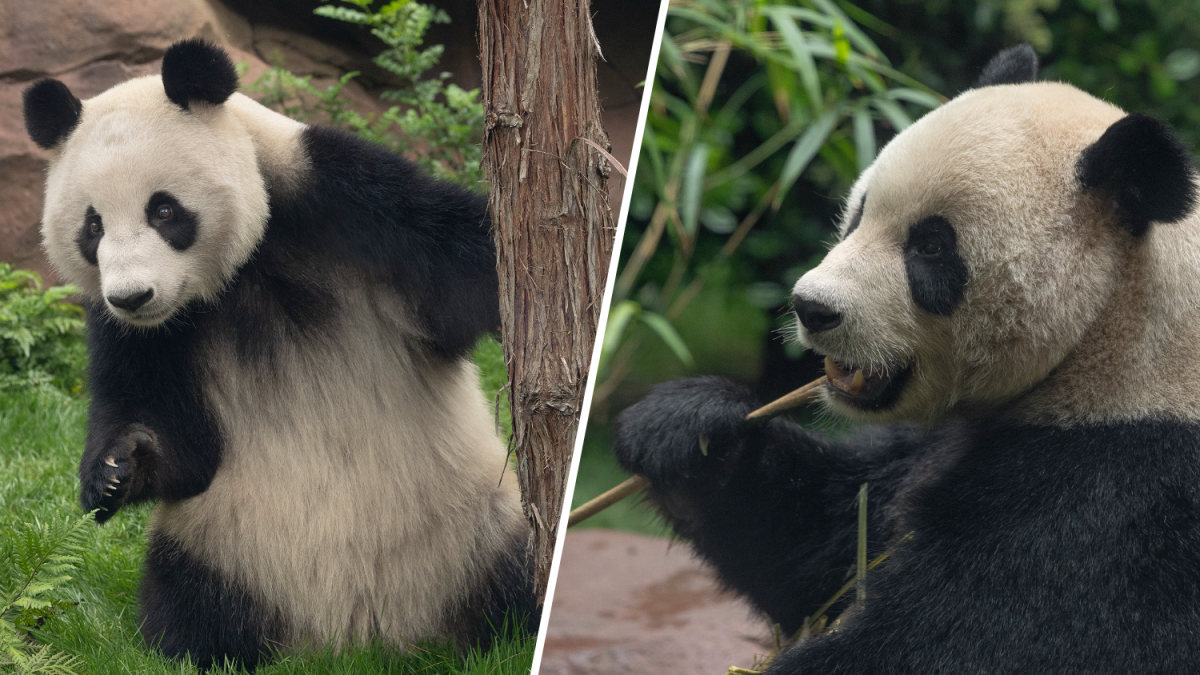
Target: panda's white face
(149,206)
(971,262)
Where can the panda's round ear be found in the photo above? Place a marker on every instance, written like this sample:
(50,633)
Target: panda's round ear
(1015,65)
(1147,172)
(197,70)
(51,112)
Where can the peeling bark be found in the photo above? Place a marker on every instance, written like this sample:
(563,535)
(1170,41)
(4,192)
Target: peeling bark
(553,230)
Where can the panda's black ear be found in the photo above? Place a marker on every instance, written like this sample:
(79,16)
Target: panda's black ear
(197,70)
(51,112)
(1147,172)
(1015,65)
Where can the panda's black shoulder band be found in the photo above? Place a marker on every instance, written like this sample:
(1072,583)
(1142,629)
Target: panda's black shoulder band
(51,112)
(197,70)
(1140,164)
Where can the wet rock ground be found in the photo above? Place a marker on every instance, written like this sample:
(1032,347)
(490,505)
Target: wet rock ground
(629,603)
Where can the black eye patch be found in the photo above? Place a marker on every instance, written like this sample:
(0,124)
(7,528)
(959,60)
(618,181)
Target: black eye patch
(862,204)
(937,275)
(89,235)
(171,220)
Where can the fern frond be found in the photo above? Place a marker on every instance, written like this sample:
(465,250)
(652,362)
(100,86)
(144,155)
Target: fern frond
(39,560)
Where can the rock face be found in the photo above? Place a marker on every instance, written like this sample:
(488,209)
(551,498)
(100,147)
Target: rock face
(93,44)
(627,603)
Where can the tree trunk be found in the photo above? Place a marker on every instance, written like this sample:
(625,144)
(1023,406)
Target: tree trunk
(553,230)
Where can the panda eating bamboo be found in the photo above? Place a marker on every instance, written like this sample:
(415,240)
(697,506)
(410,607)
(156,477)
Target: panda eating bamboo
(1014,305)
(279,322)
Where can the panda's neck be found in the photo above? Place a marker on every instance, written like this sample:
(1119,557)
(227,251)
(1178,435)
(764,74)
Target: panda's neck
(1141,358)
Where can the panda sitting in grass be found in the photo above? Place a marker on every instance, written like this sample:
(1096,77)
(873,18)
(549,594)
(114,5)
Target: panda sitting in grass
(1015,296)
(279,322)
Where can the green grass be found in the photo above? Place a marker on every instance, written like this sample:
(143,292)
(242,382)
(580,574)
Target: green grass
(41,439)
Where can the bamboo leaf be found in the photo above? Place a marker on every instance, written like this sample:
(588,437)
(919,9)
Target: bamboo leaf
(803,55)
(913,96)
(666,332)
(864,137)
(618,319)
(893,112)
(693,188)
(805,149)
(757,155)
(860,39)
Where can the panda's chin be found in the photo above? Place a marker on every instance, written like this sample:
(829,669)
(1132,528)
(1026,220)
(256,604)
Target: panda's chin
(141,318)
(870,388)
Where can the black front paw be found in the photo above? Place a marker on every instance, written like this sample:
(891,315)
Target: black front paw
(117,472)
(684,430)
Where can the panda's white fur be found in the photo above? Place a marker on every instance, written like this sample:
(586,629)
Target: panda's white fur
(1002,161)
(132,142)
(376,541)
(348,482)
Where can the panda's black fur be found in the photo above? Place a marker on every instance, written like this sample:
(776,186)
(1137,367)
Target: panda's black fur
(360,215)
(1036,549)
(1016,545)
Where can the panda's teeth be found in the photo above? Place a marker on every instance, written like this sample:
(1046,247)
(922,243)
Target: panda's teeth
(858,383)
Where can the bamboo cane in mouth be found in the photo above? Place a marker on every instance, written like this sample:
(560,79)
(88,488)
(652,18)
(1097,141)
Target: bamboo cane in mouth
(636,483)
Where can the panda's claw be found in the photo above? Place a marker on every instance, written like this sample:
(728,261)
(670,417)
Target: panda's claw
(111,461)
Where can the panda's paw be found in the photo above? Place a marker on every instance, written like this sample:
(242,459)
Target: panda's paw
(684,430)
(118,472)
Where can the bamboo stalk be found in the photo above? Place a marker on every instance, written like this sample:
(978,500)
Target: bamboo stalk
(636,483)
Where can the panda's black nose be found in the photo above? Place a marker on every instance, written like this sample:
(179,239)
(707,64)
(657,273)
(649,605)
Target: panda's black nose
(131,302)
(816,316)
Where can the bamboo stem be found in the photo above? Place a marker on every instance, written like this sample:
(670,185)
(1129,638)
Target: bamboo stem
(629,486)
(636,483)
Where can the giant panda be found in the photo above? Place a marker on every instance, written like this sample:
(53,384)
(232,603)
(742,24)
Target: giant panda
(279,324)
(1013,306)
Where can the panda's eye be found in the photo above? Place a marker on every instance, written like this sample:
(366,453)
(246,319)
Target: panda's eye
(93,226)
(165,212)
(930,248)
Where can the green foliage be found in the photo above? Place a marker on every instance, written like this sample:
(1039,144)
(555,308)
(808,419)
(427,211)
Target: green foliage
(754,105)
(437,123)
(41,334)
(36,562)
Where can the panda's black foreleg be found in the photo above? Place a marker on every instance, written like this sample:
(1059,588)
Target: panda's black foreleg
(113,473)
(771,507)
(150,435)
(188,609)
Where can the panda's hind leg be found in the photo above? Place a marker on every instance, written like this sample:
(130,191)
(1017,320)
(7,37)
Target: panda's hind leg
(504,604)
(188,609)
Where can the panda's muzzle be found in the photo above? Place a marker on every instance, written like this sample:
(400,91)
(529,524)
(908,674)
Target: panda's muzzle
(872,388)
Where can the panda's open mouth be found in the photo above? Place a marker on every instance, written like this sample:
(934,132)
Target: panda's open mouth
(871,387)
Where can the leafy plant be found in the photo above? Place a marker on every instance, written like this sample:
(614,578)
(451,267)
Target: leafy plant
(36,562)
(438,123)
(807,98)
(41,334)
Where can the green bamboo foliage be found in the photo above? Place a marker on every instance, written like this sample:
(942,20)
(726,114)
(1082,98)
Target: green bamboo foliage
(832,87)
